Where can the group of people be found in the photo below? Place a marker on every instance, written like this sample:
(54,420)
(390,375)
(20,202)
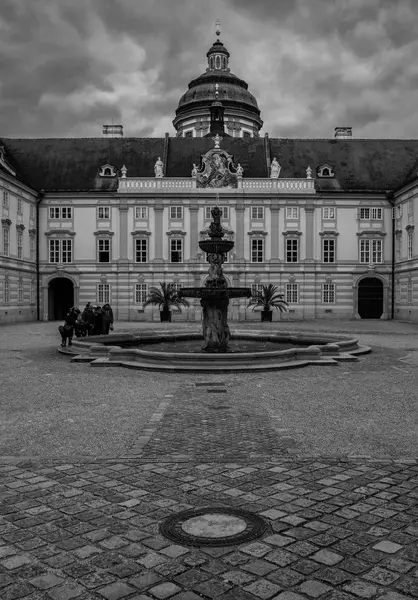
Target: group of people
(94,320)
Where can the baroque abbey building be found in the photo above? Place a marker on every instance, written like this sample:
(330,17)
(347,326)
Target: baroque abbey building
(331,222)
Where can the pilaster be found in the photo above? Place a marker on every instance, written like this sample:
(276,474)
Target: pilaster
(158,211)
(309,232)
(123,231)
(239,244)
(194,248)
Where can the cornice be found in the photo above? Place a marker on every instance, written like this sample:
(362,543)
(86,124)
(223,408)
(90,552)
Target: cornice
(291,233)
(176,232)
(104,233)
(371,233)
(327,233)
(58,232)
(140,232)
(257,233)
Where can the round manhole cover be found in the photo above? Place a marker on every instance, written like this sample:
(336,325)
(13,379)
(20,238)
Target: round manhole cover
(213,526)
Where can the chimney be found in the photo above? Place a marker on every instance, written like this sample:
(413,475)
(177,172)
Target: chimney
(343,133)
(113,131)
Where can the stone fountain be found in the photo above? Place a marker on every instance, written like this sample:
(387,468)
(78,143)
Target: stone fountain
(214,297)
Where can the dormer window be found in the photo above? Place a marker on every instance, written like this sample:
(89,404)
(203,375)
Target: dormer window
(325,171)
(107,171)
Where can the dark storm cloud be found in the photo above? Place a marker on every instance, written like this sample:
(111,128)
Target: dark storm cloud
(69,66)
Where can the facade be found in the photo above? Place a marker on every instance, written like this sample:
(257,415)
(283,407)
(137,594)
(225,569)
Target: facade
(330,221)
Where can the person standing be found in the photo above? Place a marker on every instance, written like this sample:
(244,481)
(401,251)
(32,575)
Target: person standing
(107,319)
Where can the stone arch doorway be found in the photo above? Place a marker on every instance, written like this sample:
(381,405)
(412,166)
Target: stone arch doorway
(370,298)
(60,297)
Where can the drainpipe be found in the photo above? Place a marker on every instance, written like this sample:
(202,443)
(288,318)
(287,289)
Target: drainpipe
(389,196)
(39,199)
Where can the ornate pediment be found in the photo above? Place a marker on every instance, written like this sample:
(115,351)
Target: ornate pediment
(216,170)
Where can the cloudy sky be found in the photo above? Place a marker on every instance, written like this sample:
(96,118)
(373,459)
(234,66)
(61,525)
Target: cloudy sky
(69,66)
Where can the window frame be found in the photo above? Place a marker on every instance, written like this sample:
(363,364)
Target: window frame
(103,293)
(371,251)
(290,290)
(141,208)
(138,241)
(5,199)
(256,211)
(225,212)
(101,252)
(410,245)
(257,250)
(177,208)
(291,241)
(176,241)
(19,205)
(328,293)
(6,242)
(255,288)
(138,293)
(329,208)
(20,291)
(6,290)
(61,249)
(19,244)
(329,252)
(105,210)
(289,211)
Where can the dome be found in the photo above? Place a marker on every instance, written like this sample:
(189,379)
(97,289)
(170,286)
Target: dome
(218,84)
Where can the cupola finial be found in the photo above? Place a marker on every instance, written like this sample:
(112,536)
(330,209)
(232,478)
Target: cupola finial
(218,28)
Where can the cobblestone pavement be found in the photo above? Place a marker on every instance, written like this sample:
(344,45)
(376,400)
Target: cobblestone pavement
(83,527)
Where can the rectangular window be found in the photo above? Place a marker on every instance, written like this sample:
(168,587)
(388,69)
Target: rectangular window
(54,212)
(410,244)
(32,212)
(6,290)
(224,210)
(256,287)
(292,293)
(328,246)
(371,213)
(371,251)
(176,212)
(140,293)
(66,253)
(188,134)
(67,212)
(409,292)
(257,212)
(103,213)
(19,205)
(292,247)
(257,251)
(292,212)
(6,242)
(141,212)
(19,244)
(32,248)
(176,251)
(410,207)
(399,247)
(20,292)
(32,292)
(5,199)
(103,293)
(328,293)
(54,251)
(328,213)
(103,250)
(141,250)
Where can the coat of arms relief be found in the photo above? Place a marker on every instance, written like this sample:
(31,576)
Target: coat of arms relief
(216,170)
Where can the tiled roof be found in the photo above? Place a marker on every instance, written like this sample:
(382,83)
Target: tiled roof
(71,164)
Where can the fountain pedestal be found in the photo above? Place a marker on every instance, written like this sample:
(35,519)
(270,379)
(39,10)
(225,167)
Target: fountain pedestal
(214,297)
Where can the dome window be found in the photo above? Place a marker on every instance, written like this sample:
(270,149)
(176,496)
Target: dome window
(107,171)
(325,171)
(217,62)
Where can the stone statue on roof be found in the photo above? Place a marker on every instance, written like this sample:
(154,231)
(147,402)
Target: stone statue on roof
(240,170)
(158,168)
(194,170)
(274,169)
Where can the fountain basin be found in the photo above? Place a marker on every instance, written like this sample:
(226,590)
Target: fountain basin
(118,350)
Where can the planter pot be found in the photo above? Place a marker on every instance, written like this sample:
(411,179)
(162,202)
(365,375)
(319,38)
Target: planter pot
(165,316)
(266,315)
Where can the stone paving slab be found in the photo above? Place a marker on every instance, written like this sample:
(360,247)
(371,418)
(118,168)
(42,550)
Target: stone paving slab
(337,529)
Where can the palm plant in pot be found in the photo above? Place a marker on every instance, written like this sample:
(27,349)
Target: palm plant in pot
(268,297)
(165,298)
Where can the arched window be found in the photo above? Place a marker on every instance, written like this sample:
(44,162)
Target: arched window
(218,62)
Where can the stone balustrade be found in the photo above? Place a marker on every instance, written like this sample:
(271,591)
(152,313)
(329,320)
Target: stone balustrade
(169,184)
